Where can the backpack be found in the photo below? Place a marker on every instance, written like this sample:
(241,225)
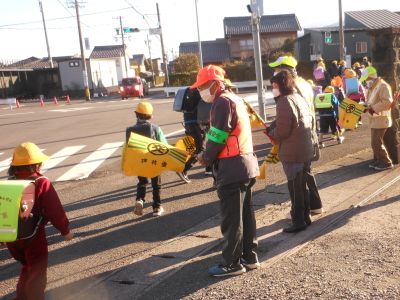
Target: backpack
(351,85)
(179,100)
(17,222)
(319,74)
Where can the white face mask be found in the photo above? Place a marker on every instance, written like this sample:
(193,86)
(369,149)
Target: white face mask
(206,94)
(369,83)
(276,92)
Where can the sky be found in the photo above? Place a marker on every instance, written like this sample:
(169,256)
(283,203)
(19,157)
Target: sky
(22,34)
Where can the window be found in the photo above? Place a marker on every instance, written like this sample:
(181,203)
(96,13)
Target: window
(246,44)
(73,64)
(361,47)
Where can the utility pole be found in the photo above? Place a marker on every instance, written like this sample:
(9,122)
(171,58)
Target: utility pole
(198,37)
(123,45)
(162,49)
(45,35)
(85,76)
(254,9)
(151,62)
(341,33)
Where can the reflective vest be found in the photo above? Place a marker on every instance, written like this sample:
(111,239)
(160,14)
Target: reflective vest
(323,101)
(239,140)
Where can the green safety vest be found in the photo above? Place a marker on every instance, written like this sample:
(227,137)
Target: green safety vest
(323,100)
(10,200)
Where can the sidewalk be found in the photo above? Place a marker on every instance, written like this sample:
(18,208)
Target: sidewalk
(178,268)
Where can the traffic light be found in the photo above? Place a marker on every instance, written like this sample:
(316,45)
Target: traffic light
(129,30)
(328,38)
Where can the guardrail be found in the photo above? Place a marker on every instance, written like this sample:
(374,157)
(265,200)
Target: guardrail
(237,85)
(9,101)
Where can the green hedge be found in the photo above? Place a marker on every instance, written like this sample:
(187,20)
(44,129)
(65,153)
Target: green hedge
(182,79)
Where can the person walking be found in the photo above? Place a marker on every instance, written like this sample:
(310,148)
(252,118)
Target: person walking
(32,252)
(143,126)
(292,129)
(305,90)
(229,149)
(379,101)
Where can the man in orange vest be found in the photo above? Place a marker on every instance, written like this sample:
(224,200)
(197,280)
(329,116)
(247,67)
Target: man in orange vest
(229,149)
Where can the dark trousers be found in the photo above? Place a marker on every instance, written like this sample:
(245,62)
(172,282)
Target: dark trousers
(299,199)
(197,134)
(238,224)
(33,255)
(313,194)
(156,185)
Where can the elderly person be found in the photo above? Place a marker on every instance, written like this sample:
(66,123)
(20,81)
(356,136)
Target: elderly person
(379,101)
(229,149)
(292,129)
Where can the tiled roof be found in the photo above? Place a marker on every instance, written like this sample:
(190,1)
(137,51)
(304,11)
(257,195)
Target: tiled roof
(373,19)
(270,23)
(33,63)
(212,51)
(112,51)
(138,58)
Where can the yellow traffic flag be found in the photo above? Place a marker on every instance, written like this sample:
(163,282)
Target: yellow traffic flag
(349,113)
(186,144)
(263,169)
(146,157)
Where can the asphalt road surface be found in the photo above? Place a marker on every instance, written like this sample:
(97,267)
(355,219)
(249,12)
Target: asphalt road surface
(86,138)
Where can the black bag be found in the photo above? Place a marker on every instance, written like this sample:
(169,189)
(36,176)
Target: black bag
(203,112)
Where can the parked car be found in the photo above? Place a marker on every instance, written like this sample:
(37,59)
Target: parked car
(131,87)
(146,87)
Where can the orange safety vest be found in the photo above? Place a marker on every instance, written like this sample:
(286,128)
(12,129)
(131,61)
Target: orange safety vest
(239,140)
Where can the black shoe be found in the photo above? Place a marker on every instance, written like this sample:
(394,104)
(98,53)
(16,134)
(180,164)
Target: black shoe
(222,270)
(307,220)
(183,176)
(250,265)
(295,228)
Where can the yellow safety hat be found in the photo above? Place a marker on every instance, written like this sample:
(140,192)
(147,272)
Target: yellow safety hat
(342,62)
(356,65)
(368,72)
(349,73)
(145,108)
(289,61)
(320,59)
(28,154)
(329,89)
(334,62)
(311,82)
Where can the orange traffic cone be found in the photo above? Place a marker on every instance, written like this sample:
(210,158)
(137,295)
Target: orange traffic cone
(41,102)
(68,100)
(17,103)
(55,100)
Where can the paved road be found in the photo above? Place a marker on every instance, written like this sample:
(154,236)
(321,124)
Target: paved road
(100,207)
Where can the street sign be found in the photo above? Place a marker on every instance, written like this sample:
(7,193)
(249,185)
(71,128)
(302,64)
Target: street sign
(257,7)
(129,30)
(328,38)
(155,31)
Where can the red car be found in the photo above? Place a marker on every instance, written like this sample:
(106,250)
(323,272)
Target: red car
(131,86)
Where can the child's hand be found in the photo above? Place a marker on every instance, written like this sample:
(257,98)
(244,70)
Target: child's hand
(69,236)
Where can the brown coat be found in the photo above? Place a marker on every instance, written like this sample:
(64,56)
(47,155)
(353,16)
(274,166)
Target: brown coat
(379,98)
(292,129)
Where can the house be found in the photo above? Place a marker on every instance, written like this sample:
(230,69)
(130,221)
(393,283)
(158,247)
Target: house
(238,38)
(213,52)
(71,75)
(108,66)
(137,63)
(274,31)
(357,38)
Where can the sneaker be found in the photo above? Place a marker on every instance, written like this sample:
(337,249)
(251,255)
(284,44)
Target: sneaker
(250,265)
(221,270)
(317,211)
(295,228)
(138,208)
(208,173)
(382,167)
(183,176)
(340,139)
(158,211)
(321,145)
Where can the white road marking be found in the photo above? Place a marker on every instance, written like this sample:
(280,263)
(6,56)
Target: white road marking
(60,156)
(173,133)
(70,109)
(22,113)
(90,163)
(5,164)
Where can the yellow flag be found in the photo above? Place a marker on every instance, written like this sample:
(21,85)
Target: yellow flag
(349,113)
(146,157)
(263,169)
(187,144)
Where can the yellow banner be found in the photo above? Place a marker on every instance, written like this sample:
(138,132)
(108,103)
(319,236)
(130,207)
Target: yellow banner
(186,144)
(10,201)
(146,157)
(349,113)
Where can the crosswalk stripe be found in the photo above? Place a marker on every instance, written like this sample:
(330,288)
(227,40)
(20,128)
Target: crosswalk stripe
(60,156)
(90,163)
(5,164)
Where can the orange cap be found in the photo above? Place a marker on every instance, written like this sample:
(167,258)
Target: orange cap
(208,73)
